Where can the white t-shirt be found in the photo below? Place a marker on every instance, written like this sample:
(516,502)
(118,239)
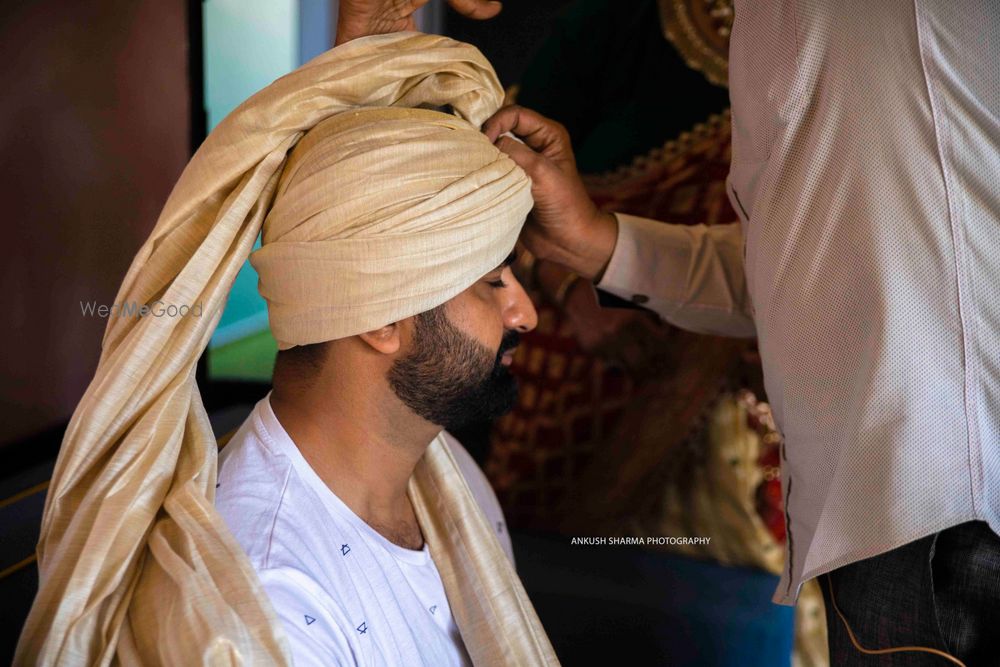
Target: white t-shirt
(344,593)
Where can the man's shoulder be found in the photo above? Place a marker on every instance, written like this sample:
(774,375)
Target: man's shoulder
(250,490)
(249,470)
(315,624)
(267,500)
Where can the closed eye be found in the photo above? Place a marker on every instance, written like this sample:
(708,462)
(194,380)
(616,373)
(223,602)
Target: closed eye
(497,284)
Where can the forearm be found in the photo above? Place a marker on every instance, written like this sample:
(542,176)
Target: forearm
(588,251)
(692,276)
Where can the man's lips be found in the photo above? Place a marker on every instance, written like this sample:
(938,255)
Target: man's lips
(508,357)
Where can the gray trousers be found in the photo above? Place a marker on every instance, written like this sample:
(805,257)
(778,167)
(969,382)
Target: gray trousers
(942,592)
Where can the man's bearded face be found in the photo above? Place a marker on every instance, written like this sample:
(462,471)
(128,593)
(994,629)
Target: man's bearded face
(451,379)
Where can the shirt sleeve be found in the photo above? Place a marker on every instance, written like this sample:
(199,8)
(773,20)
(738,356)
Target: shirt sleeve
(690,275)
(314,637)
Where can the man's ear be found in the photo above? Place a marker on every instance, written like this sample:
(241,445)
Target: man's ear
(385,339)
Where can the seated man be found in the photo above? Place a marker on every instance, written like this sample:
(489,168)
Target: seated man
(342,526)
(314,484)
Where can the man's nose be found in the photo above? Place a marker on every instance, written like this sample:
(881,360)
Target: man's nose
(520,313)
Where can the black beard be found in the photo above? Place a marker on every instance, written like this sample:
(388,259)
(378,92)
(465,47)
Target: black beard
(451,379)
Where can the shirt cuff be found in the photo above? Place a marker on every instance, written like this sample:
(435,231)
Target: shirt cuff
(691,276)
(626,276)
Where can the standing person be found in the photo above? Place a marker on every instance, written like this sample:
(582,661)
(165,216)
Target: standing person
(866,176)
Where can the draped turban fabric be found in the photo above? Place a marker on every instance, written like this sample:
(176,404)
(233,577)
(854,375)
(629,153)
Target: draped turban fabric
(383,210)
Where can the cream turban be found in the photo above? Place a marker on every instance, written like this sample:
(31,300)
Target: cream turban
(382,214)
(382,211)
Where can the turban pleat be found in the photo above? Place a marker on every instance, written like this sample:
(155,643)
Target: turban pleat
(135,564)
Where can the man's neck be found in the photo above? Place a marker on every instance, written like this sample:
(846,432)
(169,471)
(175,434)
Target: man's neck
(364,447)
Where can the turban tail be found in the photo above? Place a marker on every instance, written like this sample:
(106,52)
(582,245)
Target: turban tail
(135,564)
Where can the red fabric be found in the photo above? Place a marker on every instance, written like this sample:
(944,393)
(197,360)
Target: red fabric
(572,400)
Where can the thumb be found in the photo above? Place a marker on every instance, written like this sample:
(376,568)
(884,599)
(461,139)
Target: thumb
(476,9)
(524,157)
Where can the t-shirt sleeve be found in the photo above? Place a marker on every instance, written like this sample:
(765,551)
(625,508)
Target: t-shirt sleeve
(313,635)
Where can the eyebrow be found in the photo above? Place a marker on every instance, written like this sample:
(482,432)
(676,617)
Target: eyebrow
(511,258)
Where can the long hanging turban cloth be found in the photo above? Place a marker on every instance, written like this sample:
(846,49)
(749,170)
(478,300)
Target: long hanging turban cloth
(384,211)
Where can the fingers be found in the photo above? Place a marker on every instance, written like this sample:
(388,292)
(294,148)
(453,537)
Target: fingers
(500,123)
(516,119)
(476,9)
(540,133)
(523,157)
(359,18)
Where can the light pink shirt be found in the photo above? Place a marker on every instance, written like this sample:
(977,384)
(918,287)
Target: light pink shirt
(866,177)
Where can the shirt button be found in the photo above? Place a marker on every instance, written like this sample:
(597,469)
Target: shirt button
(639,298)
